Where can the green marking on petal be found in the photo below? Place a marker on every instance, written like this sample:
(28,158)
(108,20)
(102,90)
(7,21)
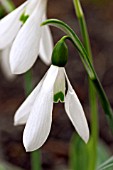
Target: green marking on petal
(24,18)
(59,97)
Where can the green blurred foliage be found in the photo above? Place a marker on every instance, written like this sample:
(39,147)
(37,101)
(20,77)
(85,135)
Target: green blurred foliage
(79,154)
(2,12)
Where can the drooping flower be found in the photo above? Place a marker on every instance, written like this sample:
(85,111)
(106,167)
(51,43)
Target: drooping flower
(4,63)
(29,38)
(36,111)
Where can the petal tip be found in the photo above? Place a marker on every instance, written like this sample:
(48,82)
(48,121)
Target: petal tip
(15,123)
(15,70)
(27,144)
(86,137)
(12,67)
(17,120)
(48,63)
(15,66)
(29,147)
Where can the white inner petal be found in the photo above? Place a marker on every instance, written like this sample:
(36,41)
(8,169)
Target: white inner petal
(59,86)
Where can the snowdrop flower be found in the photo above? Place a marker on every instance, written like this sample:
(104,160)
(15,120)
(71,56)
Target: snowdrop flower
(4,63)
(36,111)
(29,38)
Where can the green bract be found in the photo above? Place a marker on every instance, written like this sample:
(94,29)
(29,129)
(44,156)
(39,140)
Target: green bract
(60,54)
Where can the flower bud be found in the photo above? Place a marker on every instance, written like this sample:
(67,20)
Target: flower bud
(60,54)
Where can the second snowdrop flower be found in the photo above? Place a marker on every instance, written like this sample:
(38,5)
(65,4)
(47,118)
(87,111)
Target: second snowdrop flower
(28,37)
(36,111)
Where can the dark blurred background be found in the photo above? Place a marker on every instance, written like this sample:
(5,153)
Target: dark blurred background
(99,17)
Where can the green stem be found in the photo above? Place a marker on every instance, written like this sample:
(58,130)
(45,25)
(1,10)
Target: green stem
(35,155)
(94,127)
(35,160)
(28,82)
(92,93)
(83,27)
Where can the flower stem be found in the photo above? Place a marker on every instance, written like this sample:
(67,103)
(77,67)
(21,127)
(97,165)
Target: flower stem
(28,82)
(92,92)
(36,160)
(35,155)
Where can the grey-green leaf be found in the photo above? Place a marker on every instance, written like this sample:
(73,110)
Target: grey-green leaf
(107,164)
(78,157)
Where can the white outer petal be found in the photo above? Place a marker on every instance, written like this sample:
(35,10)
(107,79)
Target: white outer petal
(75,112)
(38,125)
(46,44)
(25,48)
(4,62)
(22,114)
(10,25)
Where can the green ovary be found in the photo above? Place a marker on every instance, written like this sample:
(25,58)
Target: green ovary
(59,97)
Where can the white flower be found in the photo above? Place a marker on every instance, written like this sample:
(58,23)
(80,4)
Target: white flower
(36,111)
(4,63)
(29,38)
